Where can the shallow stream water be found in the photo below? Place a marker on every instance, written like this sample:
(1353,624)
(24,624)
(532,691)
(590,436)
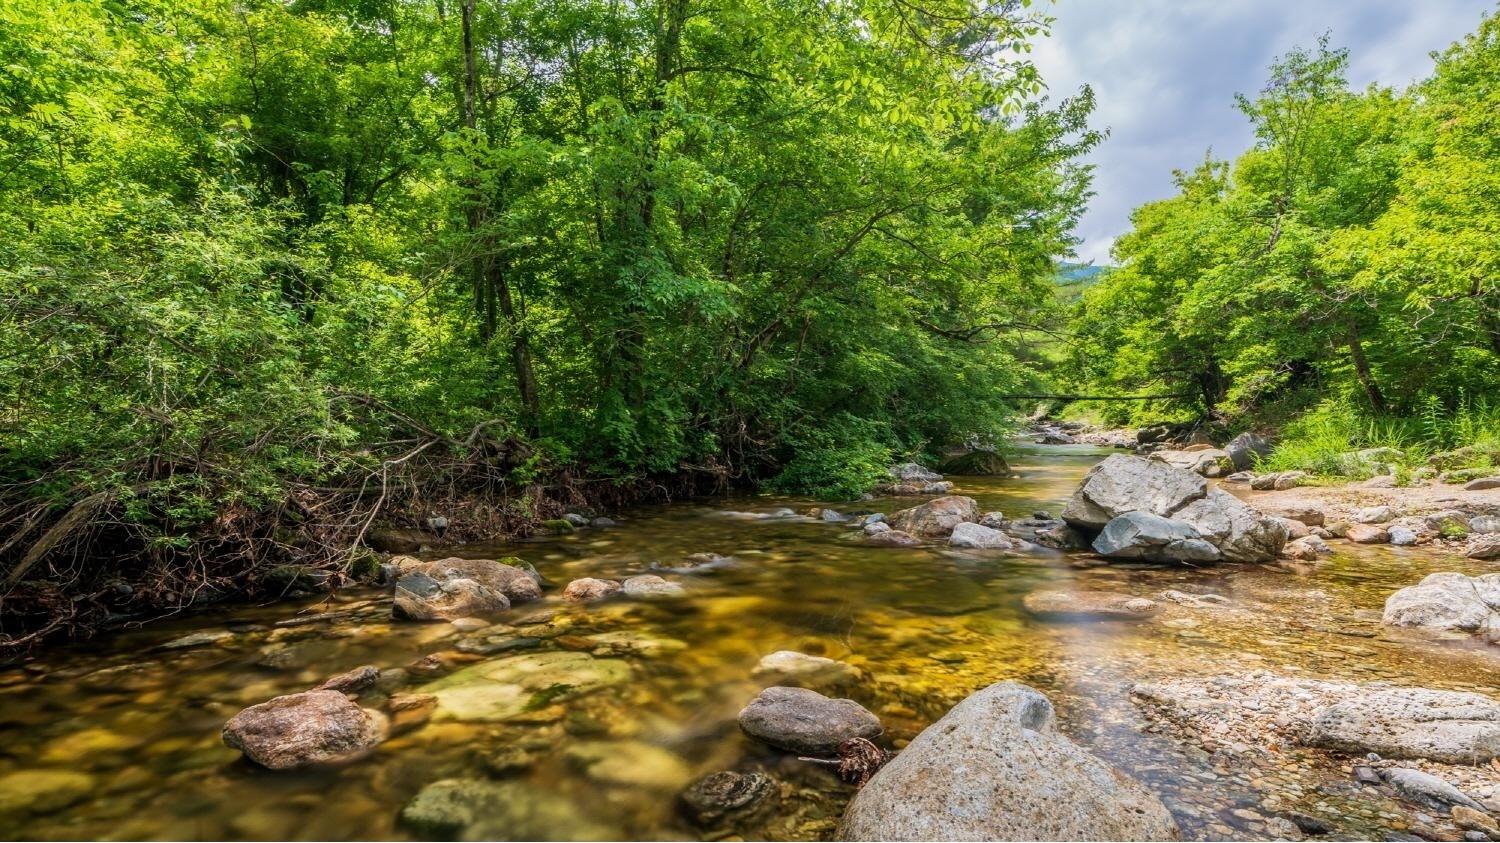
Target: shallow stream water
(136,727)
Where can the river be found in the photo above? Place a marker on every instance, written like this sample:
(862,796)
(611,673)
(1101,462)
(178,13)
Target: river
(135,728)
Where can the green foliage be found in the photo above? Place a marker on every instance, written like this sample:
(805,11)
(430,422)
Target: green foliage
(1350,255)
(256,254)
(838,460)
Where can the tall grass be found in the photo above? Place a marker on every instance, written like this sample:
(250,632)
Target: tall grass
(1324,440)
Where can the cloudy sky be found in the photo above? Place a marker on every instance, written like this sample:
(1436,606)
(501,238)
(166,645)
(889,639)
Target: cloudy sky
(1165,73)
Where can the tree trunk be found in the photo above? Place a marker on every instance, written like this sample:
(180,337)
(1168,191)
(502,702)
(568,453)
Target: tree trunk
(492,293)
(1362,370)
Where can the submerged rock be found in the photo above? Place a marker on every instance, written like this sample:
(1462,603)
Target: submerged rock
(727,795)
(1353,717)
(803,720)
(893,538)
(632,764)
(478,809)
(996,768)
(935,518)
(649,586)
(41,791)
(296,730)
(1103,605)
(505,688)
(793,668)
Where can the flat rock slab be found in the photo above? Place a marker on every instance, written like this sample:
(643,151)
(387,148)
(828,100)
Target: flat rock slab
(996,768)
(1261,708)
(502,689)
(1447,601)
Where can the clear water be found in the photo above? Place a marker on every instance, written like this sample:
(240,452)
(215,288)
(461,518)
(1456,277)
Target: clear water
(926,625)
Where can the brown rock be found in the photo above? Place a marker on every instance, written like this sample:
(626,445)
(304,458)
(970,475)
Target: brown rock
(893,538)
(1483,546)
(937,517)
(296,730)
(1308,515)
(1367,534)
(589,589)
(351,681)
(516,584)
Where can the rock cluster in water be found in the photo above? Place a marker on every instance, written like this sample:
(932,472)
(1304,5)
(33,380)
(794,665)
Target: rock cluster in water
(1138,508)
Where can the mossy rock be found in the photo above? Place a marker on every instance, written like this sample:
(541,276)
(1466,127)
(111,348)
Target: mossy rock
(1470,456)
(976,462)
(1464,475)
(558,526)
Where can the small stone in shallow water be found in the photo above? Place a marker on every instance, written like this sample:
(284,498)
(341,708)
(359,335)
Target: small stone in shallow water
(351,681)
(650,585)
(727,795)
(802,720)
(791,667)
(590,589)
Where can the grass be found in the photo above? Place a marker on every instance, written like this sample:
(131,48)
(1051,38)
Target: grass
(1328,439)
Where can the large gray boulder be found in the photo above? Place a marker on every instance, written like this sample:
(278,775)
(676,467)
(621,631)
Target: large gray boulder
(977,536)
(1206,462)
(910,472)
(1246,448)
(296,730)
(996,768)
(803,720)
(1141,535)
(1123,484)
(1448,602)
(937,517)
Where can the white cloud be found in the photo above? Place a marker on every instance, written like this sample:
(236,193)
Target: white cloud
(1165,73)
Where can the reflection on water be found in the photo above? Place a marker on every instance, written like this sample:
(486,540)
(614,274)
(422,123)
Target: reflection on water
(125,736)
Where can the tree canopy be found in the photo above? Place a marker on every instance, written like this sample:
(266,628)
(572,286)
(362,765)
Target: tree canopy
(257,254)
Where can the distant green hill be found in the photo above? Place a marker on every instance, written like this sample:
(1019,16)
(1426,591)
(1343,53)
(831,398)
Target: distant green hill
(1073,278)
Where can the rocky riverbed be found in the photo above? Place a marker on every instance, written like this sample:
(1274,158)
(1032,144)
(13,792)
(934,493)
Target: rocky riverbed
(617,708)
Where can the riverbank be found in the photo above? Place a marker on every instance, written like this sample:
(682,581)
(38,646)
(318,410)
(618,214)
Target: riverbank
(122,733)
